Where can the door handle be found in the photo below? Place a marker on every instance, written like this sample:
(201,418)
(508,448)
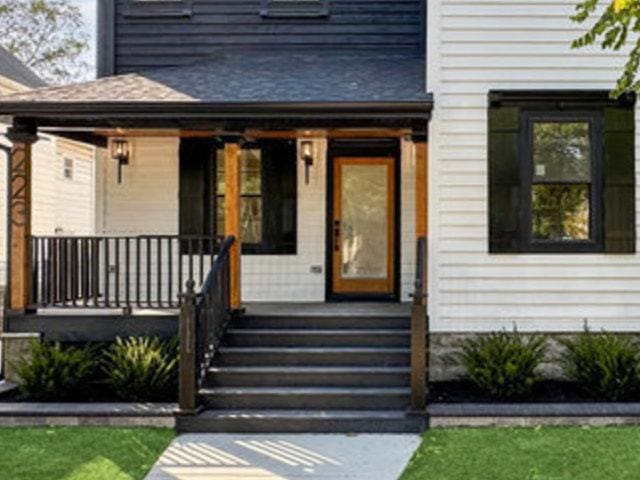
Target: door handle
(336,235)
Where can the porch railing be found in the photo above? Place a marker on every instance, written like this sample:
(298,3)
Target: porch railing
(419,332)
(117,271)
(204,317)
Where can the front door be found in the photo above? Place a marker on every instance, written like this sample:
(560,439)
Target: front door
(363,226)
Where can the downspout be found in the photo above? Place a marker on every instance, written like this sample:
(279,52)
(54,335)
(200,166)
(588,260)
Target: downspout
(5,299)
(7,152)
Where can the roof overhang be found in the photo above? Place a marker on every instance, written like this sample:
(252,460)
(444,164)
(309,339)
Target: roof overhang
(226,116)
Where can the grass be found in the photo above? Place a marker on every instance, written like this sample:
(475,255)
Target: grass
(77,453)
(527,454)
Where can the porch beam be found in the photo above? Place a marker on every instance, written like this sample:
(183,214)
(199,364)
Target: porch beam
(19,198)
(232,209)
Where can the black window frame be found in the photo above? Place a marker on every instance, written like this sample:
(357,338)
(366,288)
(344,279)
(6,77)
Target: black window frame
(596,222)
(294,9)
(158,8)
(205,223)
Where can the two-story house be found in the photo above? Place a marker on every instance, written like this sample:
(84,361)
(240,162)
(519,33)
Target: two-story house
(311,167)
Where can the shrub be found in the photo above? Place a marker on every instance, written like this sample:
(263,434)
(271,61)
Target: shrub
(606,366)
(54,373)
(503,365)
(143,368)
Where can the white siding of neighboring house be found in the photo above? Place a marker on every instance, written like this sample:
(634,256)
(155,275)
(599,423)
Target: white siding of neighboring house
(147,203)
(59,206)
(475,46)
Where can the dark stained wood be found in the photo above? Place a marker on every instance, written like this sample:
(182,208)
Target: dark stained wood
(188,381)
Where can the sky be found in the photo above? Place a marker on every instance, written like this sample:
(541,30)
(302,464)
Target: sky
(88,8)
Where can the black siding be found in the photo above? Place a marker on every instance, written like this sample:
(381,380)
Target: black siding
(158,41)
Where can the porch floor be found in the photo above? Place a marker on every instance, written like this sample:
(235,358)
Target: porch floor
(314,309)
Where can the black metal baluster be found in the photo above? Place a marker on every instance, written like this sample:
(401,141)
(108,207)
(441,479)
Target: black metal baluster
(159,271)
(148,272)
(127,260)
(107,299)
(117,270)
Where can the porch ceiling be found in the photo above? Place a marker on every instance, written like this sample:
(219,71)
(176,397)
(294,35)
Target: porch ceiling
(233,90)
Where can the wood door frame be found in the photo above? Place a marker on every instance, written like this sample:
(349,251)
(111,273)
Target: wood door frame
(373,147)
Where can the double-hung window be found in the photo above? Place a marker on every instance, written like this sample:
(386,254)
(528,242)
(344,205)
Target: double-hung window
(561,160)
(561,172)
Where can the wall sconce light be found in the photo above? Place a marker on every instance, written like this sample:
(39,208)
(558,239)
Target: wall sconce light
(120,153)
(307,158)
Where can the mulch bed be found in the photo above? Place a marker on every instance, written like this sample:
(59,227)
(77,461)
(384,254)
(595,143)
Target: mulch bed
(544,392)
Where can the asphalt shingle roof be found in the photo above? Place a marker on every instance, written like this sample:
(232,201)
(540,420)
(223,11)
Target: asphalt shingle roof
(260,77)
(14,69)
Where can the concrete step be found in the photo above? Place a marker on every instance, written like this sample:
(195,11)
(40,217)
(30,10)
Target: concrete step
(301,421)
(271,337)
(332,322)
(340,356)
(312,398)
(304,376)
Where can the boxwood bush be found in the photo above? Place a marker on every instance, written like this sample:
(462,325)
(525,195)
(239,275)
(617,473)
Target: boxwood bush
(54,372)
(143,368)
(606,366)
(503,365)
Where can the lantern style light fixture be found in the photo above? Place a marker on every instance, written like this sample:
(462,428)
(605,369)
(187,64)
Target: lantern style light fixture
(120,153)
(307,157)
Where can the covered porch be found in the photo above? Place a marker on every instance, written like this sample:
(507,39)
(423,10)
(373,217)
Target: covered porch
(150,255)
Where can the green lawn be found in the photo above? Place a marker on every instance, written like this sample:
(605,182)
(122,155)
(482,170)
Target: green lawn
(80,452)
(527,454)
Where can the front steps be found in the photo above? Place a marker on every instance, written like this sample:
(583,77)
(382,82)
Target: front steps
(319,373)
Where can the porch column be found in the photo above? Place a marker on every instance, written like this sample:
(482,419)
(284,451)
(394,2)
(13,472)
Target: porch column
(19,218)
(232,209)
(419,319)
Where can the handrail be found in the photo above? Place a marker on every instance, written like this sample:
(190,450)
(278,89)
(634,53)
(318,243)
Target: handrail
(419,333)
(204,317)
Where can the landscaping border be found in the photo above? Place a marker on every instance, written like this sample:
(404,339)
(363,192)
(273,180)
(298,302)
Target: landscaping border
(532,414)
(21,414)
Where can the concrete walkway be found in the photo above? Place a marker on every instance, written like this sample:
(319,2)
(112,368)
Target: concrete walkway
(285,457)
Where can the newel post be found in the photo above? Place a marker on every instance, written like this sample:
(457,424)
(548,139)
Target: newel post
(22,137)
(188,382)
(419,317)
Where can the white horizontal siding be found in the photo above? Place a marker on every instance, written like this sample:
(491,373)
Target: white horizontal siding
(476,46)
(147,202)
(59,205)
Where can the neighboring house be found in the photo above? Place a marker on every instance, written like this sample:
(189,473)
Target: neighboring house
(62,175)
(326,140)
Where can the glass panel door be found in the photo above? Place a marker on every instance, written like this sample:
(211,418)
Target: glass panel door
(363,225)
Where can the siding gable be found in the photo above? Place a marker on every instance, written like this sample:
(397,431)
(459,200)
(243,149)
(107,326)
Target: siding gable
(143,42)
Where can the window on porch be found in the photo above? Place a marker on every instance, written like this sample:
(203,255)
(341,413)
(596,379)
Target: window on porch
(268,188)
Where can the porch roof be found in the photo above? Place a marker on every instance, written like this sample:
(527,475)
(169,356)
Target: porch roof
(245,87)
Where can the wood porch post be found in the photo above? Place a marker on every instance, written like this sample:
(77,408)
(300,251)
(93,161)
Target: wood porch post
(419,318)
(19,218)
(232,209)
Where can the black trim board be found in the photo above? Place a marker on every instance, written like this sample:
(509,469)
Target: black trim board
(374,147)
(75,327)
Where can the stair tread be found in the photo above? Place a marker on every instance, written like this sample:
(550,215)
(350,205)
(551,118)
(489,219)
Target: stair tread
(346,414)
(306,331)
(309,369)
(305,390)
(314,349)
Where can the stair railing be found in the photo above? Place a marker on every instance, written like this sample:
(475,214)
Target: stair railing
(419,332)
(204,317)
